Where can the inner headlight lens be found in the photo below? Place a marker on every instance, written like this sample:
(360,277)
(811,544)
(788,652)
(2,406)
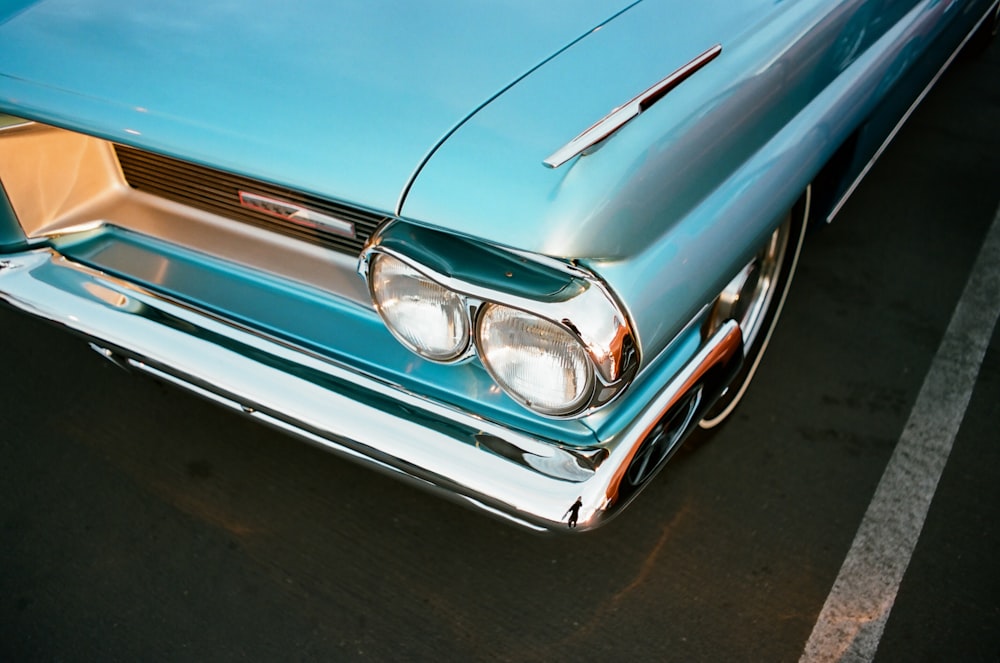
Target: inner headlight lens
(537,362)
(427,318)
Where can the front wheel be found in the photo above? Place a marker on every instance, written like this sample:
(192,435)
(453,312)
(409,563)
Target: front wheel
(754,298)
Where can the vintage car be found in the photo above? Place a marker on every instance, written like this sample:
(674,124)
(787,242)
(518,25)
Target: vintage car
(512,251)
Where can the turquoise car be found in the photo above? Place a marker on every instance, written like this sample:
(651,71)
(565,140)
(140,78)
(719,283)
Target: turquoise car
(513,251)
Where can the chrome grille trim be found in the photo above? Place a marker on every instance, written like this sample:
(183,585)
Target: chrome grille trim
(218,192)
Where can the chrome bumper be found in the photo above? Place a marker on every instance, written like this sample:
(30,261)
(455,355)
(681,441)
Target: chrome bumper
(523,478)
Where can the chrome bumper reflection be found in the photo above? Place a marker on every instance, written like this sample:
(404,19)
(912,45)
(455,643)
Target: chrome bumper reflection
(525,479)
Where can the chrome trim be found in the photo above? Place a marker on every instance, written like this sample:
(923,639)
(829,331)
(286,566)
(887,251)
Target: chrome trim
(526,479)
(628,111)
(462,354)
(272,207)
(288,211)
(13,123)
(62,183)
(583,306)
(856,182)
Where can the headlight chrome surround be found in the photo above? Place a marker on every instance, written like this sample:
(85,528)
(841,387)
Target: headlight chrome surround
(553,297)
(537,362)
(427,318)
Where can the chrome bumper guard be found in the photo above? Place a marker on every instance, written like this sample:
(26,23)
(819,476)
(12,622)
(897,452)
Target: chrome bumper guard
(527,480)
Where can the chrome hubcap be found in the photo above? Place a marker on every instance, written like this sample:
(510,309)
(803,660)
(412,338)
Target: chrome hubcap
(748,296)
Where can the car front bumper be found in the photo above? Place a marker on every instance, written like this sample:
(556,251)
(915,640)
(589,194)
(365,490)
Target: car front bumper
(521,477)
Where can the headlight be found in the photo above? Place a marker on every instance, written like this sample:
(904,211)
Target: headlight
(430,320)
(550,333)
(536,361)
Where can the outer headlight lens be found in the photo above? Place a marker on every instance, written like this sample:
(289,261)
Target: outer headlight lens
(537,362)
(430,320)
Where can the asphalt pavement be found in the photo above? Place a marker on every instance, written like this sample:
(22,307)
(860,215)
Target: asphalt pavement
(138,522)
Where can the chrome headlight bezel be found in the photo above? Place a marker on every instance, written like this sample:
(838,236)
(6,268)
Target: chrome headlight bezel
(559,293)
(454,309)
(506,362)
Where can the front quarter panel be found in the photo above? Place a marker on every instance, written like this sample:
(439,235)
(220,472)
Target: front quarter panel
(672,205)
(488,179)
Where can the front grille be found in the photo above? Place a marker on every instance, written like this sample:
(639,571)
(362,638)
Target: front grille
(218,192)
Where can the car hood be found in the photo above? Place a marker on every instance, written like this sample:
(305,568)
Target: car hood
(342,99)
(655,174)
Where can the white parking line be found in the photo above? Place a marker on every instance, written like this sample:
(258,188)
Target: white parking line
(853,618)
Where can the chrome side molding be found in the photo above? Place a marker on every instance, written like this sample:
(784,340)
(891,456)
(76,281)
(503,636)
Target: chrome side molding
(628,111)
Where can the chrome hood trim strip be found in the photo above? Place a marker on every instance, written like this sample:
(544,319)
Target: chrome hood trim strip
(527,480)
(628,111)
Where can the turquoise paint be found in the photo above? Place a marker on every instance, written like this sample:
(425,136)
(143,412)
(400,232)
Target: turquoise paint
(670,207)
(340,99)
(664,211)
(11,236)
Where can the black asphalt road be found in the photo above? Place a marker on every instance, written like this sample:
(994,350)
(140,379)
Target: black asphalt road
(142,524)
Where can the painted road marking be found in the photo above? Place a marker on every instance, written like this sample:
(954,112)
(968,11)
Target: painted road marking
(853,618)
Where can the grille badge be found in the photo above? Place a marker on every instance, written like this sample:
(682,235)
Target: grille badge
(298,214)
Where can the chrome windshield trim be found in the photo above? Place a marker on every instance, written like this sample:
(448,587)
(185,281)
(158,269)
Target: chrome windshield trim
(628,111)
(528,480)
